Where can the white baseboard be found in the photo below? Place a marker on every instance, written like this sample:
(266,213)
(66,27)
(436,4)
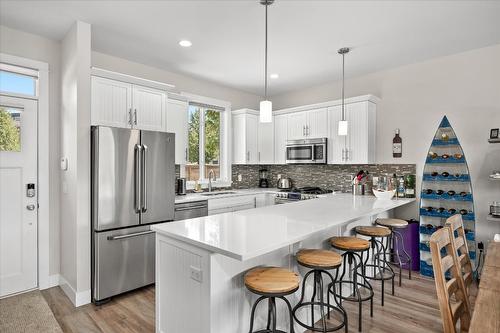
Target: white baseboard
(77,298)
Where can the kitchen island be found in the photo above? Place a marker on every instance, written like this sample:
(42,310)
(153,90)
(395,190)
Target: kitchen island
(200,262)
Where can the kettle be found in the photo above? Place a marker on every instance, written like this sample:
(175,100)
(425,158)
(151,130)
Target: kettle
(284,183)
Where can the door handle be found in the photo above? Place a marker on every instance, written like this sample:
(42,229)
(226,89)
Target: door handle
(137,185)
(144,180)
(30,207)
(135,116)
(130,235)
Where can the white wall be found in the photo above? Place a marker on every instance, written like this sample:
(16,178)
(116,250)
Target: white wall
(465,87)
(18,43)
(75,146)
(237,98)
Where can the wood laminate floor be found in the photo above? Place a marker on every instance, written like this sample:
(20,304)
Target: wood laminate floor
(413,309)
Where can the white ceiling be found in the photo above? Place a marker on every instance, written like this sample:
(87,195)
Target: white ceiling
(228,36)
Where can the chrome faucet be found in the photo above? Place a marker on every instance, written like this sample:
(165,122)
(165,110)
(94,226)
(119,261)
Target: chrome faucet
(211,174)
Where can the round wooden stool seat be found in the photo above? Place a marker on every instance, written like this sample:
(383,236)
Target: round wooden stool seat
(392,223)
(271,280)
(317,258)
(350,243)
(372,231)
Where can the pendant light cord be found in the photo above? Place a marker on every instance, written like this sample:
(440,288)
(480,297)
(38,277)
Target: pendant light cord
(265,61)
(343,80)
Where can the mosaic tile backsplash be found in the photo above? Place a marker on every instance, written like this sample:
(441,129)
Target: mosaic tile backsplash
(334,177)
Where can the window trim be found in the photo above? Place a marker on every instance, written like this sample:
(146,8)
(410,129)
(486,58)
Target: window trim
(9,67)
(225,140)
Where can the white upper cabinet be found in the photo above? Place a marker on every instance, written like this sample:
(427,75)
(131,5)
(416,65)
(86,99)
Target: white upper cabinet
(149,108)
(280,137)
(308,124)
(297,125)
(121,104)
(245,142)
(111,103)
(265,139)
(253,141)
(358,147)
(177,122)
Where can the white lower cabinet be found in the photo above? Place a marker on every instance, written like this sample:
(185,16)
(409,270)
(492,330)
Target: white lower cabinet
(358,147)
(231,204)
(264,199)
(177,122)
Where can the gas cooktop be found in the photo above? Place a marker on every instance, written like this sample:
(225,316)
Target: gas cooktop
(308,190)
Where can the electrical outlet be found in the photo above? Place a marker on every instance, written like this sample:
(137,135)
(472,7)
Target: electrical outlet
(196,274)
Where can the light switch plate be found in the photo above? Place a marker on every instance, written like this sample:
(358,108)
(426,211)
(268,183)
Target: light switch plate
(196,274)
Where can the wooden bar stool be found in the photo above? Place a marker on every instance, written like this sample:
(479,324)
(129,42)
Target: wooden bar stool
(360,289)
(381,270)
(319,261)
(271,283)
(393,241)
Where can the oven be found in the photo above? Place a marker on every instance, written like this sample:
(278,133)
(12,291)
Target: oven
(307,151)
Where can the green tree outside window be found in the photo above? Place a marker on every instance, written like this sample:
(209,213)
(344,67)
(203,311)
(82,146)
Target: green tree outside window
(9,133)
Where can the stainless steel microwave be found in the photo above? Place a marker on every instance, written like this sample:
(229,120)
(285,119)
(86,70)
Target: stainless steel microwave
(307,151)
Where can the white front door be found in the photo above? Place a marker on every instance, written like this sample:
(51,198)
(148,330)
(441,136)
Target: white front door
(18,194)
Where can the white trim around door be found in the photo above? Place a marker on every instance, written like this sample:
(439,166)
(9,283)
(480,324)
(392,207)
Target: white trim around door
(45,280)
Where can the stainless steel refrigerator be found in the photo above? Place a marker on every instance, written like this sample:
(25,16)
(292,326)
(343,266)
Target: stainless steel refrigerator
(133,174)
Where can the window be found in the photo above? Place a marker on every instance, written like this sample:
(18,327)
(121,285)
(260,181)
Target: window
(18,80)
(204,142)
(10,129)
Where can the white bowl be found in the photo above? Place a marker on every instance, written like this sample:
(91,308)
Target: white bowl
(384,195)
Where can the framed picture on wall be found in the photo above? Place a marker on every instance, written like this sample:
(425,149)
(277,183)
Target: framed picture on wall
(494,133)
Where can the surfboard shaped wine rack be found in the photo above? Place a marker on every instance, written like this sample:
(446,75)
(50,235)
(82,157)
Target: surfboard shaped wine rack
(446,191)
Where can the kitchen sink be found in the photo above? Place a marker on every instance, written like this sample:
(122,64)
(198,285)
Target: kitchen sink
(209,194)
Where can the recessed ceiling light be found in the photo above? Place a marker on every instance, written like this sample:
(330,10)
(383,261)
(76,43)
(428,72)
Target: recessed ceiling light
(274,76)
(185,43)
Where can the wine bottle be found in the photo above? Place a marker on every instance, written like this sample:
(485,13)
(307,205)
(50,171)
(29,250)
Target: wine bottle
(410,186)
(397,145)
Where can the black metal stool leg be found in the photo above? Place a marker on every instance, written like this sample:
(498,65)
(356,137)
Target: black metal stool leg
(272,304)
(290,311)
(252,315)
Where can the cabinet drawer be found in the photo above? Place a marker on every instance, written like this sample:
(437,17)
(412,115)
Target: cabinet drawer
(216,204)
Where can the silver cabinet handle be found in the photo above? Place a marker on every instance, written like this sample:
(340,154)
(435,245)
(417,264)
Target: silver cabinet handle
(259,156)
(343,154)
(130,116)
(130,235)
(347,154)
(190,208)
(137,173)
(30,207)
(144,180)
(135,116)
(304,130)
(248,156)
(307,130)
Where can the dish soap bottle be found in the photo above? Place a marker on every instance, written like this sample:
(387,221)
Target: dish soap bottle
(401,187)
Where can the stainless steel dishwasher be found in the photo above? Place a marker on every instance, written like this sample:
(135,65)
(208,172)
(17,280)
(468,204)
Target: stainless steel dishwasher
(189,210)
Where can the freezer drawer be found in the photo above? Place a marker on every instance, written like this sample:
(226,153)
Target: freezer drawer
(123,260)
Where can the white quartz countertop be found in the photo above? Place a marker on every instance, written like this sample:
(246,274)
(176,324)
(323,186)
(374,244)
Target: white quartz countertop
(192,197)
(247,234)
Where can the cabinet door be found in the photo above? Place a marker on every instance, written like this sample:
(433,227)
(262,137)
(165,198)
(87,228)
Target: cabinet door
(251,133)
(265,139)
(361,126)
(149,108)
(297,125)
(111,103)
(239,139)
(280,137)
(177,122)
(317,123)
(336,143)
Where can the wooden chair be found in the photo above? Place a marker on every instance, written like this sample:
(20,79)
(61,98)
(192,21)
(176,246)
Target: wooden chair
(456,225)
(452,296)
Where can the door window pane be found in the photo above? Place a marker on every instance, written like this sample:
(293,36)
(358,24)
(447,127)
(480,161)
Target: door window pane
(212,142)
(10,129)
(17,83)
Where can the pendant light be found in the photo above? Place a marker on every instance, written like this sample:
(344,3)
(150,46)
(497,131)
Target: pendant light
(342,130)
(266,106)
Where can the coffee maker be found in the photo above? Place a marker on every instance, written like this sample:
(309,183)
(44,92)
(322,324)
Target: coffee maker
(263,182)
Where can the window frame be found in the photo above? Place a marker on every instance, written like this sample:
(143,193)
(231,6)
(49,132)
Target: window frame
(24,71)
(225,142)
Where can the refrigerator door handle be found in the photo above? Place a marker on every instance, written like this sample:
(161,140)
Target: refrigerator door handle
(130,235)
(144,180)
(137,176)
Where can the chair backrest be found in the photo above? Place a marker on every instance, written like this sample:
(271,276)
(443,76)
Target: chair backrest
(452,297)
(457,233)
